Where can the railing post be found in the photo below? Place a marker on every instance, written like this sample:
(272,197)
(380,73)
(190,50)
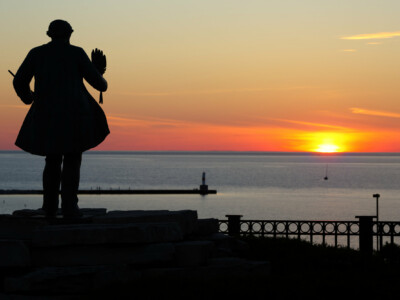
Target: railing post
(380,226)
(234,224)
(365,227)
(392,234)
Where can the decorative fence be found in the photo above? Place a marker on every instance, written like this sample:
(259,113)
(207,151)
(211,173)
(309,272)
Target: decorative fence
(365,229)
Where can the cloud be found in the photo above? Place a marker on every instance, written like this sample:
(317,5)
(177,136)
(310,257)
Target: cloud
(361,111)
(349,50)
(213,91)
(15,106)
(195,92)
(374,43)
(143,122)
(312,124)
(370,36)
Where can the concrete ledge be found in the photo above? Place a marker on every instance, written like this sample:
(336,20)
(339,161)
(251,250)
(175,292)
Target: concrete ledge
(193,253)
(187,219)
(207,226)
(102,255)
(223,270)
(40,212)
(91,234)
(14,254)
(19,227)
(70,280)
(109,254)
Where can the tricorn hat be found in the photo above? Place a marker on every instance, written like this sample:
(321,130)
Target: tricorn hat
(59,29)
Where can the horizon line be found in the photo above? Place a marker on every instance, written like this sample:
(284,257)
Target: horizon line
(224,152)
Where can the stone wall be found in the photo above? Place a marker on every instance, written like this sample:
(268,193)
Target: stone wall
(108,251)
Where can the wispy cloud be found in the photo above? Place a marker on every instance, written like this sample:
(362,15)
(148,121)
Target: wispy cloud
(14,106)
(312,124)
(195,92)
(371,36)
(374,43)
(116,120)
(378,113)
(349,50)
(214,91)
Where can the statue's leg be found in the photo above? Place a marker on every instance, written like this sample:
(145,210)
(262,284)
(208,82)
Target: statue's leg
(70,184)
(51,184)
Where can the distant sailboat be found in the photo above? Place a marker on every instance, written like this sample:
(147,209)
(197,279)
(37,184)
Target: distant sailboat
(326,173)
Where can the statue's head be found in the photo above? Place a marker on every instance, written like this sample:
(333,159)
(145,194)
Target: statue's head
(59,29)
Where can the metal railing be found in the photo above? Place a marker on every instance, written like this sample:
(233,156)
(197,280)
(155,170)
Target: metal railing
(365,229)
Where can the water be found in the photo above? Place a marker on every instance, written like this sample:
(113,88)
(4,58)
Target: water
(255,185)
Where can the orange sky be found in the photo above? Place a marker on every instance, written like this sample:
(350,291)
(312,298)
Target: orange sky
(227,75)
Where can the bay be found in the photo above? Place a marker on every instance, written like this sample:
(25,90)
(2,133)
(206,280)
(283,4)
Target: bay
(277,186)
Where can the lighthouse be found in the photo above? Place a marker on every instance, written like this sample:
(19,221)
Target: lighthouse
(203,186)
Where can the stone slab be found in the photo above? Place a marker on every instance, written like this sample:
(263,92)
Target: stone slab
(102,255)
(70,280)
(98,234)
(187,219)
(220,269)
(193,253)
(14,253)
(40,212)
(207,226)
(19,228)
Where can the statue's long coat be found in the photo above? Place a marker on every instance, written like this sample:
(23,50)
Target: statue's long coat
(64,117)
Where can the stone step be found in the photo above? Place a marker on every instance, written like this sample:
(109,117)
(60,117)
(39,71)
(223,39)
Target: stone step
(206,227)
(40,213)
(21,228)
(81,279)
(103,255)
(99,234)
(14,253)
(222,270)
(186,219)
(193,253)
(69,280)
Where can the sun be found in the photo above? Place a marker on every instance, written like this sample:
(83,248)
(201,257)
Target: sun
(324,142)
(327,148)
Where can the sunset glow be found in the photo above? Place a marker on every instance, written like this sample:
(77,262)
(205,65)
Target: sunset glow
(226,75)
(329,143)
(327,148)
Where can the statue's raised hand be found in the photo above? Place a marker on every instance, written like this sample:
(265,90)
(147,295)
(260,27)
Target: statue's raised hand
(99,60)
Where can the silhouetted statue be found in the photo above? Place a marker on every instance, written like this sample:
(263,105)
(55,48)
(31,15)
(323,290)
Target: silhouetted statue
(64,120)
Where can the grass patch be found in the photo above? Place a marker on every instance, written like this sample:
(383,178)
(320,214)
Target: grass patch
(301,270)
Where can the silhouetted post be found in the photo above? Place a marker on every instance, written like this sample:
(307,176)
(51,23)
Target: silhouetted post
(366,242)
(234,224)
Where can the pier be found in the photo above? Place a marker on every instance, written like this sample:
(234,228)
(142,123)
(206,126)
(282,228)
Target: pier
(202,190)
(118,192)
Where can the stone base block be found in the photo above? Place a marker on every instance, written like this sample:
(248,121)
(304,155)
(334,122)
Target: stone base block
(187,219)
(70,280)
(14,253)
(193,253)
(103,255)
(91,234)
(207,226)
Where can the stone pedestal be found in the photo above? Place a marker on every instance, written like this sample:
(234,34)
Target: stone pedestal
(111,250)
